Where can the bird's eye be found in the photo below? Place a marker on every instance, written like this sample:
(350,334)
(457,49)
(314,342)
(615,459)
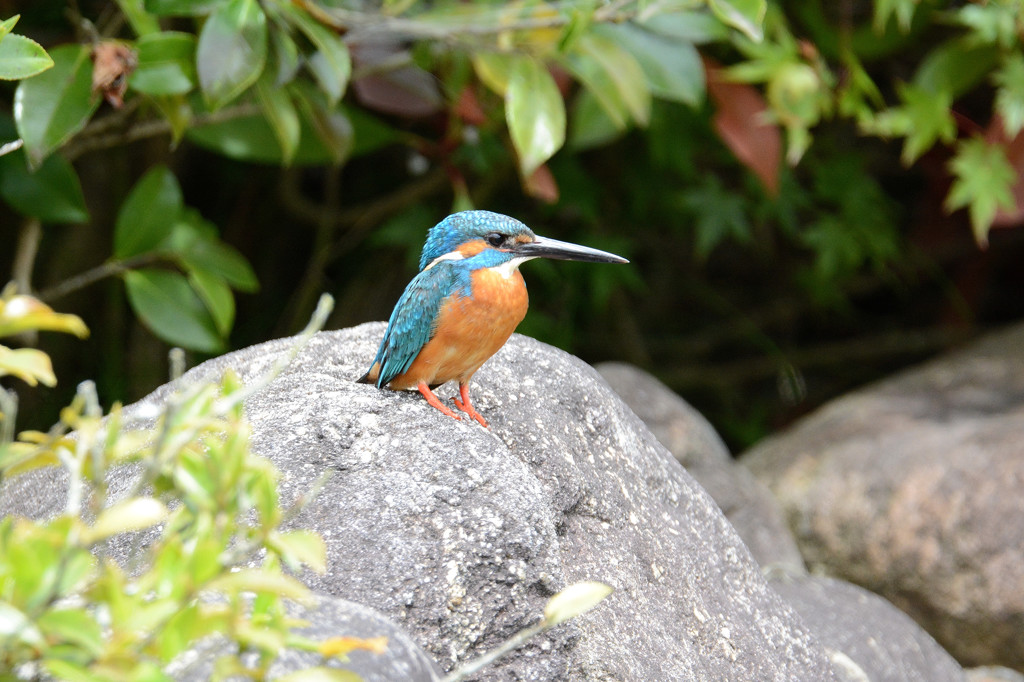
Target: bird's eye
(495,239)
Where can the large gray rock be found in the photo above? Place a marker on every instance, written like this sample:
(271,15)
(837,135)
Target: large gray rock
(747,503)
(460,534)
(868,639)
(400,659)
(912,488)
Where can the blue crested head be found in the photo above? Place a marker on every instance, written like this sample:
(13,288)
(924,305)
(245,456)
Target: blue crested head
(459,228)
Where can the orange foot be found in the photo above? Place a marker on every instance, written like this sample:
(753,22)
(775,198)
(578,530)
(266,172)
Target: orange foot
(433,400)
(467,406)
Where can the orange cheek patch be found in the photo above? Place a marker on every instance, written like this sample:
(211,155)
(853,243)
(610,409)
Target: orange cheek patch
(471,248)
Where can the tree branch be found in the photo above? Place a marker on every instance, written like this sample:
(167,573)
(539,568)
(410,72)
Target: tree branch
(108,269)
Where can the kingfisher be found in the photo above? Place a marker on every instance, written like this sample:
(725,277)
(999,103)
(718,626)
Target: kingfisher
(464,304)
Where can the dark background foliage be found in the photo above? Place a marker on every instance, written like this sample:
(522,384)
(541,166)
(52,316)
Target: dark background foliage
(754,305)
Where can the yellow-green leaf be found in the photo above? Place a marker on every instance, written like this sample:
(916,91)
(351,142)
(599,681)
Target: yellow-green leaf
(575,600)
(135,514)
(614,77)
(535,113)
(28,364)
(21,313)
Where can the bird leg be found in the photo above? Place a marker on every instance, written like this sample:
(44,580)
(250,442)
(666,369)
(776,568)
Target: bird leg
(434,401)
(467,406)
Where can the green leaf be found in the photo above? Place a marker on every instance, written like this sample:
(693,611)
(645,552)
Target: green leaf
(955,67)
(591,126)
(575,600)
(694,27)
(166,303)
(73,626)
(216,294)
(56,104)
(924,119)
(673,68)
(166,64)
(332,127)
(255,580)
(746,16)
(198,251)
(141,22)
(535,113)
(331,65)
(281,114)
(984,180)
(493,70)
(52,193)
(615,78)
(15,624)
(28,364)
(232,51)
(7,25)
(301,547)
(250,138)
(719,214)
(148,214)
(137,513)
(21,57)
(182,8)
(903,10)
(1010,95)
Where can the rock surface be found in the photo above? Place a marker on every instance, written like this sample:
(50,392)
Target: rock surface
(747,503)
(912,488)
(460,534)
(867,637)
(330,617)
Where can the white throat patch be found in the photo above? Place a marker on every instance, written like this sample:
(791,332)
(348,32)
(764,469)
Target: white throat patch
(506,269)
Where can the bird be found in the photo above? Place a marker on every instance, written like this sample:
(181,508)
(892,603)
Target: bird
(464,304)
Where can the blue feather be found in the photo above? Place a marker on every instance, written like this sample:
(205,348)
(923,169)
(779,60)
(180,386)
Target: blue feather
(413,320)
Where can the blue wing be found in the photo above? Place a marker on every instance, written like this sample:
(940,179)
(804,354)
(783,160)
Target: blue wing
(413,321)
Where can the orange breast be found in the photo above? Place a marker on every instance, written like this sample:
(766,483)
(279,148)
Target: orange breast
(469,330)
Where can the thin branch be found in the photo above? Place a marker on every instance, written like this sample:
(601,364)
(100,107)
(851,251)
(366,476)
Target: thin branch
(25,256)
(108,269)
(86,142)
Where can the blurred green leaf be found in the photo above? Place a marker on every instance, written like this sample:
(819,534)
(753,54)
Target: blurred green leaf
(535,113)
(983,184)
(719,213)
(281,114)
(16,625)
(149,213)
(301,548)
(331,65)
(182,8)
(690,26)
(197,248)
(903,10)
(746,16)
(134,514)
(74,626)
(1010,95)
(216,294)
(251,580)
(52,193)
(591,125)
(232,51)
(924,118)
(21,57)
(56,104)
(955,67)
(614,77)
(28,364)
(166,303)
(331,125)
(166,64)
(321,674)
(20,313)
(135,12)
(673,68)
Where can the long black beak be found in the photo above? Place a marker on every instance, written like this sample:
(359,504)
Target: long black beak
(543,247)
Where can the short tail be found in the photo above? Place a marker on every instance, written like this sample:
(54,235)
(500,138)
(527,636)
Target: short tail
(371,375)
